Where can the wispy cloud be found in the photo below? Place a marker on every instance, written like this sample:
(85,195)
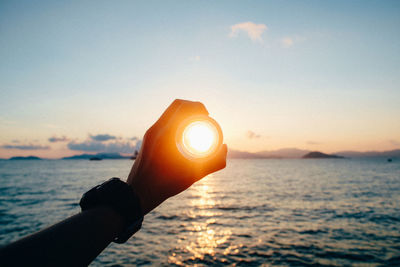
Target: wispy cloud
(55,139)
(26,147)
(252,135)
(102,137)
(89,146)
(287,42)
(195,58)
(253,31)
(394,142)
(313,143)
(290,41)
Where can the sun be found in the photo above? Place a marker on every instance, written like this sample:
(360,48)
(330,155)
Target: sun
(199,138)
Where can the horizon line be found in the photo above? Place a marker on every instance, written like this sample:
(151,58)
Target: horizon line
(229,150)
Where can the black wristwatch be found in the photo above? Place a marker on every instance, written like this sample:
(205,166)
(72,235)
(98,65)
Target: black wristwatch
(121,197)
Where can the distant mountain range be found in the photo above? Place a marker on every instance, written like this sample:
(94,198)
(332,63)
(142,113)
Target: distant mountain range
(299,153)
(285,153)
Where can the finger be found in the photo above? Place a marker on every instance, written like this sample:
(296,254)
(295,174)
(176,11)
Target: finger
(180,109)
(217,162)
(170,110)
(192,108)
(188,109)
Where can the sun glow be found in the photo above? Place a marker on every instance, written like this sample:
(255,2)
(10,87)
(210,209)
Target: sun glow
(199,137)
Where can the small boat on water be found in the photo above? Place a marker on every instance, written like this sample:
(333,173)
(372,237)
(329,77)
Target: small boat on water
(135,155)
(95,158)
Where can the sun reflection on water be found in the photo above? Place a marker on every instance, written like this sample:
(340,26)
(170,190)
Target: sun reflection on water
(204,235)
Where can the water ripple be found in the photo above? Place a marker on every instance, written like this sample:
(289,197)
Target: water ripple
(253,213)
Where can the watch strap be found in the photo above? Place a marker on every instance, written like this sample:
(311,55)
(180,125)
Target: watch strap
(121,197)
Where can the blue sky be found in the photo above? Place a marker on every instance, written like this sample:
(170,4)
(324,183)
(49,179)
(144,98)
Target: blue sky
(309,74)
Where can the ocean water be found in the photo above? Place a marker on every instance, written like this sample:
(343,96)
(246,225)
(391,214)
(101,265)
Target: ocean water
(329,212)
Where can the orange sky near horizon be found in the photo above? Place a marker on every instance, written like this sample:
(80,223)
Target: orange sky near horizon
(75,80)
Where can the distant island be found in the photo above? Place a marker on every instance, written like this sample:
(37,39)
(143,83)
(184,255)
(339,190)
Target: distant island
(320,155)
(99,156)
(25,158)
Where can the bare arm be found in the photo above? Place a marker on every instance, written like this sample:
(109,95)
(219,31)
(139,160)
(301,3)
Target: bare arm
(159,172)
(76,241)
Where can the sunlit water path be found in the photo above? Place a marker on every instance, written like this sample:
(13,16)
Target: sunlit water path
(255,212)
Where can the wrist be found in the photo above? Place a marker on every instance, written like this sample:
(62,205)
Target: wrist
(147,195)
(144,195)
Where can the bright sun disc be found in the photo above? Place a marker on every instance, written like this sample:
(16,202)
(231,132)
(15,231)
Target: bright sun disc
(198,139)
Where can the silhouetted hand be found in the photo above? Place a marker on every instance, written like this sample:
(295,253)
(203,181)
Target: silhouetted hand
(160,171)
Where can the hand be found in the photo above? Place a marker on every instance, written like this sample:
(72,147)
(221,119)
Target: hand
(160,171)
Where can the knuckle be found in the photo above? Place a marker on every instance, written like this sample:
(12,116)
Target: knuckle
(148,133)
(223,165)
(178,101)
(200,104)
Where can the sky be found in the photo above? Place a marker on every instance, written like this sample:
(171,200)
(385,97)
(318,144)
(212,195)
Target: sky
(92,76)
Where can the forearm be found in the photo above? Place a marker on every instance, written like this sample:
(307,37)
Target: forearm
(75,241)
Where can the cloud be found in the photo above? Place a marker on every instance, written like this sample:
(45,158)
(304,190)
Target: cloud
(254,31)
(287,42)
(394,142)
(55,139)
(26,147)
(102,137)
(290,41)
(195,58)
(252,135)
(133,138)
(313,143)
(126,147)
(89,146)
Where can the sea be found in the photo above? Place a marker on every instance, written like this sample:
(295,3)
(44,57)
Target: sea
(256,212)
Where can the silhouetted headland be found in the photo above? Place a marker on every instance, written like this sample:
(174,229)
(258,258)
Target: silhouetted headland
(25,158)
(320,155)
(100,156)
(95,158)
